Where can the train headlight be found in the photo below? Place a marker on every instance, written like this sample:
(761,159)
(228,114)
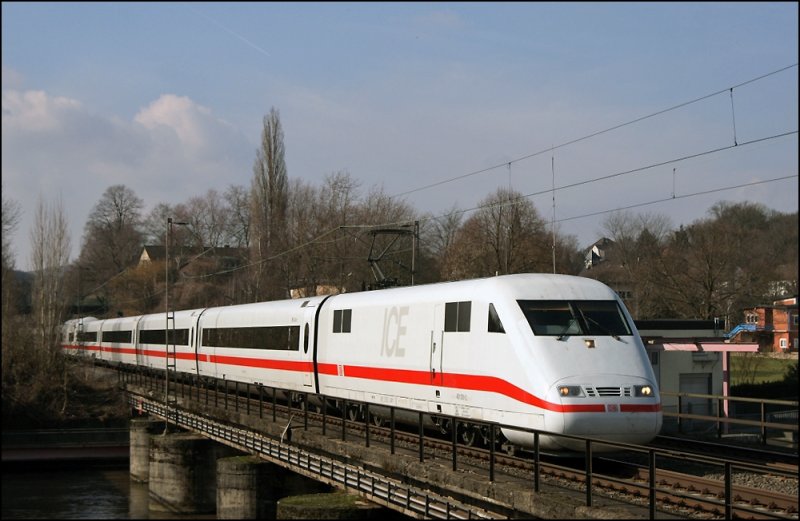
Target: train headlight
(643,390)
(570,390)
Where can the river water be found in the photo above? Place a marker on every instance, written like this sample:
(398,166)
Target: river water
(77,491)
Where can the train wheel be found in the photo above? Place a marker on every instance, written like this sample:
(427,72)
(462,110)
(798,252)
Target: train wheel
(484,435)
(466,434)
(377,421)
(298,401)
(353,412)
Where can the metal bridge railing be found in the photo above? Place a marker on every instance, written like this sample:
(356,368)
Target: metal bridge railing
(374,486)
(399,494)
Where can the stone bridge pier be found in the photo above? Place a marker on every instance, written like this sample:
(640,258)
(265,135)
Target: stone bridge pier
(187,473)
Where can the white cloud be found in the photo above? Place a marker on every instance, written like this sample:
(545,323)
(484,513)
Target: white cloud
(34,111)
(181,115)
(174,149)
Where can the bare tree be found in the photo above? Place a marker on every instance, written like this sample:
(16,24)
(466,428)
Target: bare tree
(140,289)
(302,229)
(208,218)
(633,260)
(506,235)
(442,231)
(50,243)
(10,334)
(323,252)
(11,215)
(269,200)
(238,202)
(112,238)
(154,228)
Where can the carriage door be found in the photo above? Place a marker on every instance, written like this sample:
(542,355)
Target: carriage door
(141,359)
(195,339)
(437,344)
(307,344)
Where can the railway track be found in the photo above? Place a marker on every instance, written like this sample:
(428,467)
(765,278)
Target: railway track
(739,452)
(702,496)
(677,488)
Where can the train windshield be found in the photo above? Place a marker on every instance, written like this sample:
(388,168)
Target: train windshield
(563,318)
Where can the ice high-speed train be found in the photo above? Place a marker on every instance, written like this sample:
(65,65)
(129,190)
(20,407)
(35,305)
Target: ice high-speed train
(551,352)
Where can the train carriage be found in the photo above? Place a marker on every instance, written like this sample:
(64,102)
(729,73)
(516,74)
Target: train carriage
(268,343)
(501,349)
(557,353)
(117,337)
(155,332)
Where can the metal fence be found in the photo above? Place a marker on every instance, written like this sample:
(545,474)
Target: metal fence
(771,421)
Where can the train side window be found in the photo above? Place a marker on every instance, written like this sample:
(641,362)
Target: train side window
(495,325)
(117,337)
(347,317)
(278,338)
(87,336)
(342,318)
(457,316)
(337,320)
(159,336)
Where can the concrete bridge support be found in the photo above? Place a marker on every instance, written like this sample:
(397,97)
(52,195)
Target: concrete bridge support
(182,473)
(249,487)
(141,429)
(242,488)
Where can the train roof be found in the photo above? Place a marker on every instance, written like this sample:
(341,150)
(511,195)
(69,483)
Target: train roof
(522,286)
(539,286)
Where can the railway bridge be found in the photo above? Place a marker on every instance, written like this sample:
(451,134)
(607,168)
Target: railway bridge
(400,471)
(239,450)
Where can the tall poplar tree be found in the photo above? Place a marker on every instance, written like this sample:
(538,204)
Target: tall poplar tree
(269,201)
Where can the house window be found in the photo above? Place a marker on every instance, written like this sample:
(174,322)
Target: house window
(784,343)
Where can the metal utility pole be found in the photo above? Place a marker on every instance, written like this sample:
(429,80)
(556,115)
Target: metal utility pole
(169,357)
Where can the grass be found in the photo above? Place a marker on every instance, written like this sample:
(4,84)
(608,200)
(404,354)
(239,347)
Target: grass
(757,368)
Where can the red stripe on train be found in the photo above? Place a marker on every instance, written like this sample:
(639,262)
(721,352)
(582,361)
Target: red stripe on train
(405,376)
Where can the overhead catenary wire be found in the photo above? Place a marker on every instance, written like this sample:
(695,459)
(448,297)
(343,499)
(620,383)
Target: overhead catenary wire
(519,199)
(597,133)
(683,196)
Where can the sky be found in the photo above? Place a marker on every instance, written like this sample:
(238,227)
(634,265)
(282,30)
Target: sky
(585,108)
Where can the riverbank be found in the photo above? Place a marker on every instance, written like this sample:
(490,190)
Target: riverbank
(66,445)
(93,400)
